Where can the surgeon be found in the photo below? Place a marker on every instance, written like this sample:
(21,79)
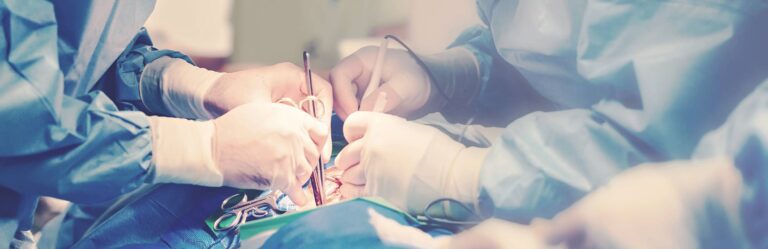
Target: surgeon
(90,111)
(617,84)
(716,199)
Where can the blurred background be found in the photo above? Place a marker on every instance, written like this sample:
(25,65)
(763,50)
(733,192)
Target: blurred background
(228,35)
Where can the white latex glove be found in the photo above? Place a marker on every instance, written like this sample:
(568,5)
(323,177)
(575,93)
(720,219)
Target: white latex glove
(174,87)
(684,204)
(408,164)
(406,84)
(191,92)
(254,146)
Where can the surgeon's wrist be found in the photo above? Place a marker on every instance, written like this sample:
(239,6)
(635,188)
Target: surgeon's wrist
(181,87)
(390,177)
(464,177)
(182,152)
(453,174)
(433,166)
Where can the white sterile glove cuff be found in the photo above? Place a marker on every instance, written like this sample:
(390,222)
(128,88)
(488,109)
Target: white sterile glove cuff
(182,152)
(182,86)
(428,165)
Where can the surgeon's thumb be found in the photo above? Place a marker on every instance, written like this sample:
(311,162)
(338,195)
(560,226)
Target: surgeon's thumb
(391,100)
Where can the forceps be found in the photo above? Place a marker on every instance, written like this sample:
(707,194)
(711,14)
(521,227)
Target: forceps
(310,103)
(243,209)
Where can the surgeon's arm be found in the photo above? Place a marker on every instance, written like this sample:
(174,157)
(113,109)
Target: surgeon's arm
(546,161)
(470,79)
(81,148)
(138,79)
(717,199)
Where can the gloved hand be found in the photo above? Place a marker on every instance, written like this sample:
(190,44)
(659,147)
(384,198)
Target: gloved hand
(684,204)
(177,88)
(410,91)
(254,146)
(407,85)
(266,84)
(407,164)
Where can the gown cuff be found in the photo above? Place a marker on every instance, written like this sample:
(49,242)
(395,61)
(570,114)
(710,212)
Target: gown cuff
(150,86)
(455,75)
(173,86)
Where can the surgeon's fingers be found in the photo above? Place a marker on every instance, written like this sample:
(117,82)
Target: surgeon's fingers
(385,98)
(304,157)
(357,124)
(327,150)
(296,194)
(354,175)
(306,162)
(311,154)
(325,93)
(284,175)
(345,91)
(317,131)
(349,191)
(349,156)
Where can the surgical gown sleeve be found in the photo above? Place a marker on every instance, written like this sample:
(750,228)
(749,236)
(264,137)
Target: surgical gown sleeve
(502,95)
(744,138)
(80,148)
(656,81)
(127,72)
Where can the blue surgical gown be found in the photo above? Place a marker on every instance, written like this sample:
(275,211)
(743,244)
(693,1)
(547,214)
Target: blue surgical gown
(72,122)
(632,82)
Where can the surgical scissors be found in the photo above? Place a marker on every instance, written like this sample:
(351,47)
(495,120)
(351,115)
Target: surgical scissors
(243,209)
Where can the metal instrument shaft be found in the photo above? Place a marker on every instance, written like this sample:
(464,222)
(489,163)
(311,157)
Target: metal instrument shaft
(316,180)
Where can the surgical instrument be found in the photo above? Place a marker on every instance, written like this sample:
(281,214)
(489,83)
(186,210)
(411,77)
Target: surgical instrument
(378,64)
(316,179)
(242,209)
